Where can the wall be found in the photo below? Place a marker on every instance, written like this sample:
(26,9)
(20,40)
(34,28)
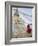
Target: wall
(2,23)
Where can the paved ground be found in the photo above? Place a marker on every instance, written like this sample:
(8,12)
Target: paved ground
(21,34)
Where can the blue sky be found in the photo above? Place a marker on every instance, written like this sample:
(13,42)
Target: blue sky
(26,10)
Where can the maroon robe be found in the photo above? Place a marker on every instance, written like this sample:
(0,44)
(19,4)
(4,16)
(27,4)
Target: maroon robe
(29,29)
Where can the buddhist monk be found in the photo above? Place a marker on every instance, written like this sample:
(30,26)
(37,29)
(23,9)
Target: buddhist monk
(29,29)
